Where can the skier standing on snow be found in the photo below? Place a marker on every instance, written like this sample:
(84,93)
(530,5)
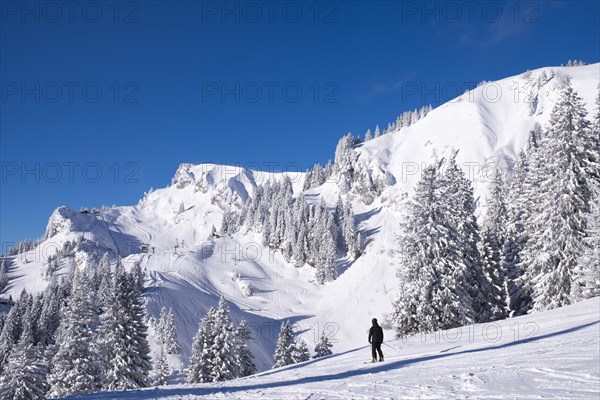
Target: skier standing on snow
(376,339)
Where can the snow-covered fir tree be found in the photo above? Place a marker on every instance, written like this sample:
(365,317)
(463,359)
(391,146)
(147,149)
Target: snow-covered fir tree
(162,371)
(348,229)
(226,362)
(491,260)
(435,269)
(288,350)
(49,319)
(3,274)
(286,346)
(326,271)
(303,233)
(456,194)
(493,237)
(10,335)
(301,352)
(104,284)
(219,350)
(323,347)
(345,162)
(76,367)
(124,333)
(230,222)
(496,217)
(26,373)
(559,214)
(167,332)
(12,327)
(247,366)
(200,368)
(587,272)
(519,197)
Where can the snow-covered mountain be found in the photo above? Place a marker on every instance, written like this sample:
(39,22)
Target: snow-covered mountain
(170,231)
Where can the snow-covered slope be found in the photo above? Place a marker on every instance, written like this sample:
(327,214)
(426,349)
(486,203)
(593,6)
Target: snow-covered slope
(487,126)
(170,230)
(551,355)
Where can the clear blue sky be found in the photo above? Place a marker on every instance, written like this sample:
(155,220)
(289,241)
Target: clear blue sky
(102,100)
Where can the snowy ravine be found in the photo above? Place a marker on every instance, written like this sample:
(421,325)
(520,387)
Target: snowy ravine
(170,234)
(553,354)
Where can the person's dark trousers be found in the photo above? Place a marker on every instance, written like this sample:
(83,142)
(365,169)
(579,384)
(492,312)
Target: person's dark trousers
(376,349)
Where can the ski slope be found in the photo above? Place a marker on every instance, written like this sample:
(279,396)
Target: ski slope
(169,232)
(551,355)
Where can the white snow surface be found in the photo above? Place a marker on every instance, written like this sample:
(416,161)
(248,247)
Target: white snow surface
(485,128)
(550,355)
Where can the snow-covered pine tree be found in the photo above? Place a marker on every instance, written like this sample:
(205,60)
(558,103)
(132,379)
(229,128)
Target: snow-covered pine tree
(521,204)
(105,282)
(318,176)
(26,374)
(218,351)
(200,368)
(33,316)
(497,210)
(125,333)
(559,224)
(226,362)
(301,353)
(140,359)
(345,159)
(230,222)
(348,230)
(469,280)
(491,256)
(49,320)
(588,274)
(493,237)
(323,347)
(2,321)
(167,332)
(159,325)
(360,245)
(326,250)
(3,274)
(10,335)
(136,276)
(339,211)
(286,345)
(300,248)
(526,205)
(596,120)
(13,328)
(433,270)
(368,135)
(247,366)
(162,371)
(76,367)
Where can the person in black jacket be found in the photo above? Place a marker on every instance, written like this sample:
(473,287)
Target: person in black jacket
(376,339)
